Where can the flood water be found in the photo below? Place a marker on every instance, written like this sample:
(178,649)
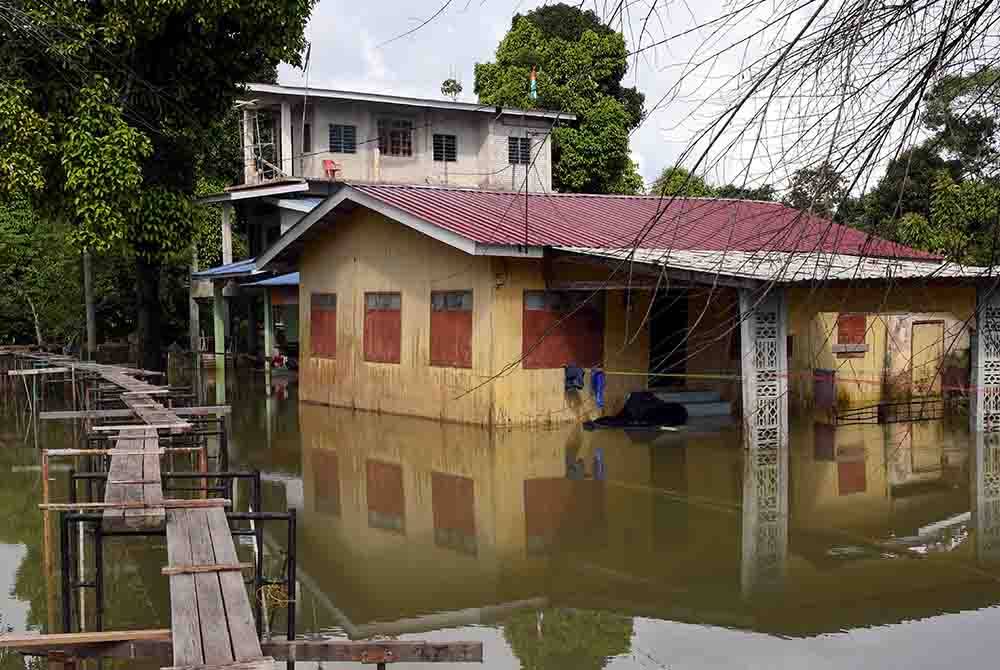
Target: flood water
(868,546)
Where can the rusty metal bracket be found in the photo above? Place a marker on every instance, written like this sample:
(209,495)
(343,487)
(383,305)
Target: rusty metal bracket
(377,655)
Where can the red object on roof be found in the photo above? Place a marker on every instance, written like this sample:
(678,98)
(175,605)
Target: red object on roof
(612,221)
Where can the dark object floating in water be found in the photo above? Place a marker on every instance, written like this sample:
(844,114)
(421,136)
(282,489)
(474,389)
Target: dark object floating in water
(643,410)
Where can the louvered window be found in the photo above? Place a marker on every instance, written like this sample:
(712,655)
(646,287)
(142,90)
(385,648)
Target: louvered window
(445,148)
(519,150)
(343,139)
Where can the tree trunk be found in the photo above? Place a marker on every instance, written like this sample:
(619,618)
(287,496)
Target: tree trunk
(148,301)
(88,299)
(38,326)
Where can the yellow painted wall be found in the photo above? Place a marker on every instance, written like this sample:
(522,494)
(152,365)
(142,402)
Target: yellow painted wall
(364,252)
(812,326)
(713,324)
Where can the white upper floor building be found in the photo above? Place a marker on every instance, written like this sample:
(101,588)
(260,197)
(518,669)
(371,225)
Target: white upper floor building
(374,138)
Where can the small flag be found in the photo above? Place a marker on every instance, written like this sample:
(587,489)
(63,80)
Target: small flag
(534,84)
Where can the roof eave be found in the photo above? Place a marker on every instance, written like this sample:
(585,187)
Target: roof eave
(255,191)
(349,194)
(301,92)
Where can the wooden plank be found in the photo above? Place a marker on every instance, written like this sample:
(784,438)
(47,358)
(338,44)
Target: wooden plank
(194,569)
(104,452)
(242,631)
(185,625)
(132,469)
(56,640)
(148,426)
(214,625)
(400,651)
(256,664)
(35,371)
(172,503)
(156,644)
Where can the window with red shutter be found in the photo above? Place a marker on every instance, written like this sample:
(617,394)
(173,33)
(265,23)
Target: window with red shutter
(454,506)
(383,327)
(326,482)
(451,329)
(386,504)
(562,328)
(323,324)
(851,332)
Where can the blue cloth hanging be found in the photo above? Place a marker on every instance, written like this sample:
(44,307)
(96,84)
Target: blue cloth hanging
(597,383)
(574,378)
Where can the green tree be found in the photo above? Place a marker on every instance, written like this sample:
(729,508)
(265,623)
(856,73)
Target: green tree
(961,111)
(569,638)
(40,271)
(677,181)
(817,190)
(451,88)
(580,64)
(763,192)
(106,105)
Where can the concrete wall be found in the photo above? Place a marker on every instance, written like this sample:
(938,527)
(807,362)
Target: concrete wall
(883,372)
(481,147)
(367,252)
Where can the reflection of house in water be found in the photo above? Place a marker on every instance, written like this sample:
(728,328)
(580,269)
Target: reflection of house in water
(420,517)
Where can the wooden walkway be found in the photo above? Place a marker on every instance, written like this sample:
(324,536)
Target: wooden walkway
(211,620)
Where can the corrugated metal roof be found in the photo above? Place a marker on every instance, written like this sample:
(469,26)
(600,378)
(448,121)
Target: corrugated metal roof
(237,269)
(788,267)
(290,279)
(649,222)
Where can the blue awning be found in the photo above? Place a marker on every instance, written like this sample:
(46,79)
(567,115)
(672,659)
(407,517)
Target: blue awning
(290,279)
(243,268)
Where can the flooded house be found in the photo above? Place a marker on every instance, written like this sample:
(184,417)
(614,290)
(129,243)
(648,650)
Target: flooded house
(467,302)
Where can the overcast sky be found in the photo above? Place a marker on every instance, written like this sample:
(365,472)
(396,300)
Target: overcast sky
(349,52)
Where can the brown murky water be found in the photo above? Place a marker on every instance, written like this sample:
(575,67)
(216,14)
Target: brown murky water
(865,546)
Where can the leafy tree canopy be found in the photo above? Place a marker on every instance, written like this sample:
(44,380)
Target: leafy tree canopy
(578,639)
(105,106)
(817,190)
(580,64)
(678,181)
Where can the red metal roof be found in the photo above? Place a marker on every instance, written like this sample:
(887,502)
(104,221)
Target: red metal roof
(610,221)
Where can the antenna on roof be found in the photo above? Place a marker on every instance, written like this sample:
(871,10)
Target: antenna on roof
(305,99)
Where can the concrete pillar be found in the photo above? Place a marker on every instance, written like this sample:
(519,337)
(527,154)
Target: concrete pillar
(249,166)
(227,233)
(251,325)
(268,331)
(194,314)
(986,485)
(763,333)
(286,138)
(764,329)
(985,410)
(219,319)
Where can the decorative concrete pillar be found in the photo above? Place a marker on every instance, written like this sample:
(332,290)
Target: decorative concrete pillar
(765,522)
(764,319)
(764,367)
(987,489)
(985,409)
